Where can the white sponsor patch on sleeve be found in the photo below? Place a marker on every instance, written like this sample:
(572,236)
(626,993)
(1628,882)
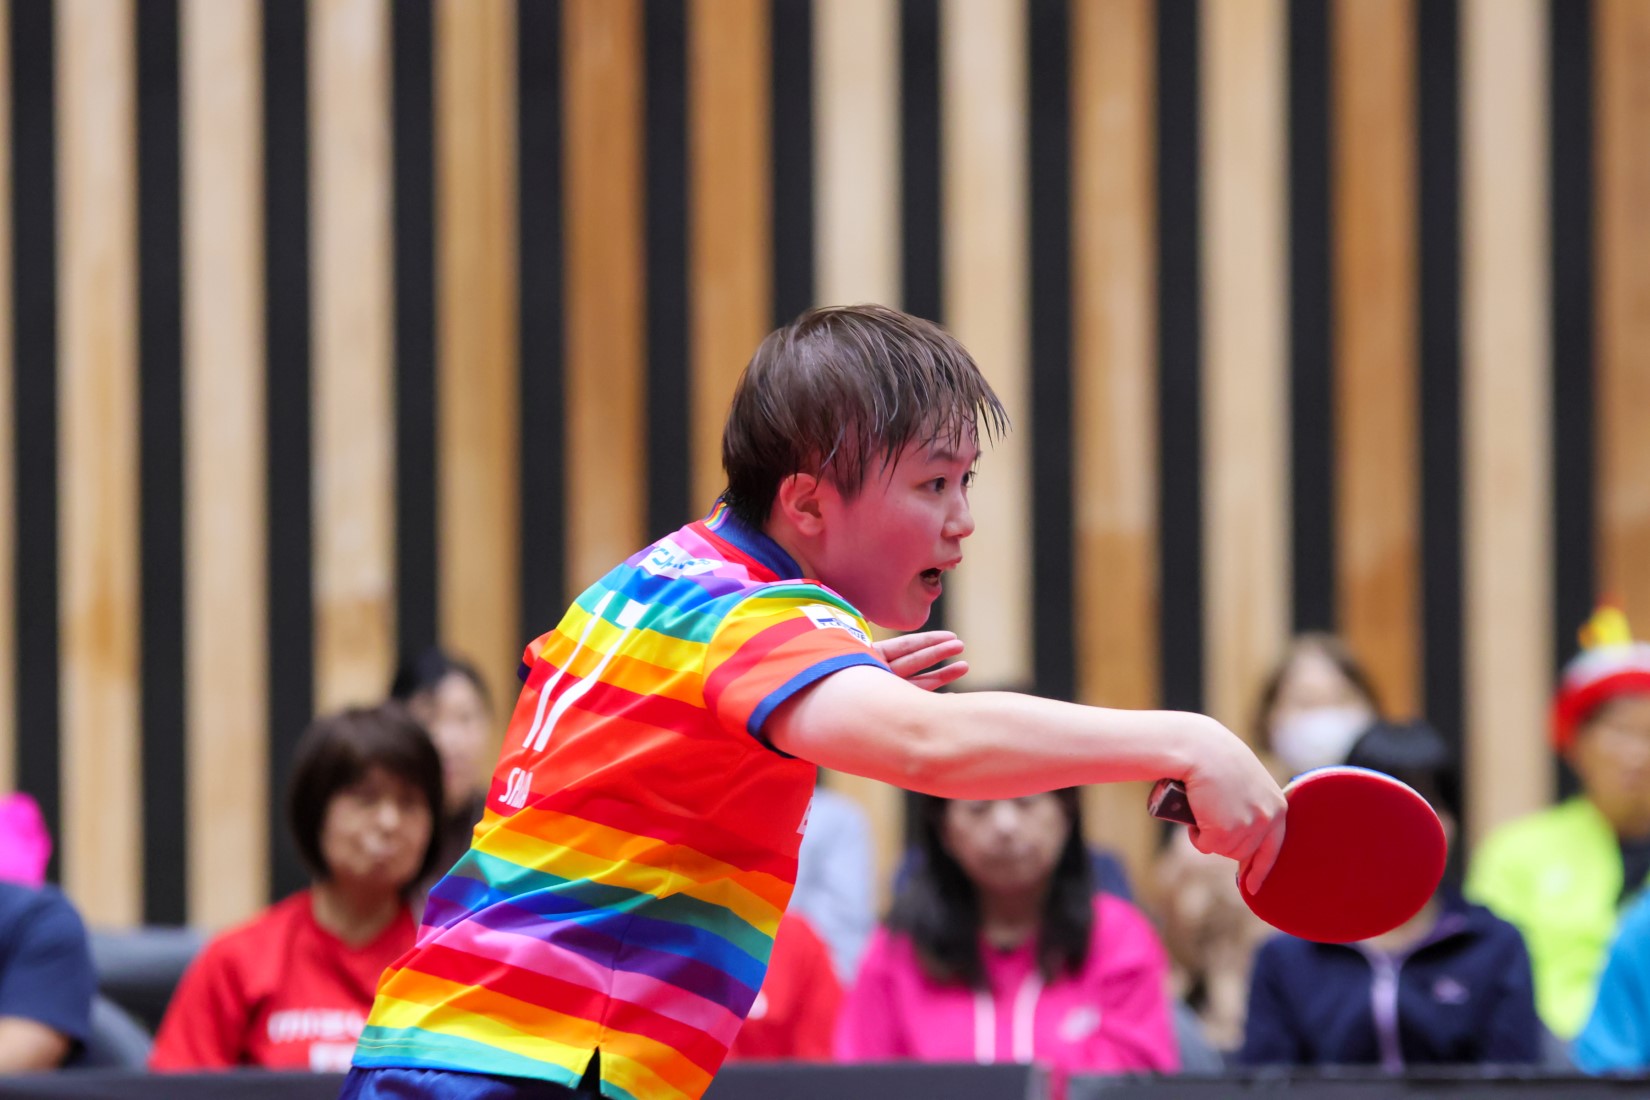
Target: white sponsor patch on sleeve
(824,616)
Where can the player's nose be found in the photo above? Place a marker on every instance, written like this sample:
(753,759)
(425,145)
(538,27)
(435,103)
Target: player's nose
(960,524)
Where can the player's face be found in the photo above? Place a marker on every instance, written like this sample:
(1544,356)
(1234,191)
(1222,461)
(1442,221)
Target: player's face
(375,832)
(1611,757)
(1007,846)
(456,715)
(887,548)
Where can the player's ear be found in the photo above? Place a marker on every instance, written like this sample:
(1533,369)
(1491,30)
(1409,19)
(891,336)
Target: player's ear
(798,503)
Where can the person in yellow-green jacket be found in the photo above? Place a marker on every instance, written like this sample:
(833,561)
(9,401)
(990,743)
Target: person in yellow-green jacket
(1565,874)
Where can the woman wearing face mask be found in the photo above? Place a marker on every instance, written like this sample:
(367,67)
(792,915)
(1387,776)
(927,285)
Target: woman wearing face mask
(999,949)
(1311,709)
(291,988)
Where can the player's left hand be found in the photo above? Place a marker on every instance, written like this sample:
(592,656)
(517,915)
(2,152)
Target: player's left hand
(909,654)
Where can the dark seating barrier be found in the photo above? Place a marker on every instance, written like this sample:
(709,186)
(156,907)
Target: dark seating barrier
(1454,1083)
(138,968)
(746,1081)
(890,1081)
(905,1081)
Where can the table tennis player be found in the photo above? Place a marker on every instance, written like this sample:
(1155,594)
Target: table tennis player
(611,924)
(1450,986)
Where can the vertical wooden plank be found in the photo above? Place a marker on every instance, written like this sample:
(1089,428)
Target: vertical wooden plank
(1374,214)
(1507,415)
(605,335)
(856,150)
(983,146)
(223,258)
(8,467)
(354,415)
(1114,279)
(479,498)
(1623,318)
(97,473)
(857,238)
(729,99)
(1245,411)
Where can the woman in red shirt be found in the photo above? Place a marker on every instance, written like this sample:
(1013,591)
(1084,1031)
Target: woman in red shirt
(290,989)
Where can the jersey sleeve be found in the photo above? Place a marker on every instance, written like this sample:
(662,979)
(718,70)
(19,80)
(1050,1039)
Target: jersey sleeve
(46,972)
(776,642)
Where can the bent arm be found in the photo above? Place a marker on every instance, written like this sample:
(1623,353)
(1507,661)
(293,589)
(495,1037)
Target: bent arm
(988,744)
(998,744)
(29,1046)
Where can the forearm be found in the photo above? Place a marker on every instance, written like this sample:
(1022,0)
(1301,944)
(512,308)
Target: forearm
(988,744)
(1000,744)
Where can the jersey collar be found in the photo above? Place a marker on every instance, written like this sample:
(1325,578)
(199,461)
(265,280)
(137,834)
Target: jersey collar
(751,542)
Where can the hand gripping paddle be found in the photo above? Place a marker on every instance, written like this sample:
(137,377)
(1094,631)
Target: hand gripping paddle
(1362,853)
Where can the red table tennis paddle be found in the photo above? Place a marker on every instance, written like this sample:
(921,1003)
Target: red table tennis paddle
(1362,853)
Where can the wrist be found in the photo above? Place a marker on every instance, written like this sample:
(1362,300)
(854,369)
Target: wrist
(1188,742)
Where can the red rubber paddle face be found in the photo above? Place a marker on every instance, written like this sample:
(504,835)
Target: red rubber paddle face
(1362,853)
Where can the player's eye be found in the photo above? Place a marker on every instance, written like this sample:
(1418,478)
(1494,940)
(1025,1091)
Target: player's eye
(938,485)
(968,479)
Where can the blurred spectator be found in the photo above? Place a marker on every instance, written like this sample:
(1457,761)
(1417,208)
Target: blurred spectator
(446,694)
(999,949)
(834,877)
(795,1011)
(291,988)
(46,979)
(25,846)
(1312,707)
(1565,874)
(1451,986)
(1617,1036)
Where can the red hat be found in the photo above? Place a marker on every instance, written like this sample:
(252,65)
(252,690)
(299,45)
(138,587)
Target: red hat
(1610,664)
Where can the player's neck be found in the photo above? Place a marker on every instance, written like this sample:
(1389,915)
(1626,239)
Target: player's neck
(793,544)
(355,916)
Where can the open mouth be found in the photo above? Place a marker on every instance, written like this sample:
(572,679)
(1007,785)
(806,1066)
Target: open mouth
(932,577)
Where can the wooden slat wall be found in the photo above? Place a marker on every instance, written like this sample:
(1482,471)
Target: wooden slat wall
(8,466)
(478,496)
(1377,446)
(605,322)
(730,288)
(856,236)
(353,413)
(856,151)
(1114,365)
(97,458)
(1245,351)
(1623,235)
(226,677)
(1379,190)
(983,191)
(1506,416)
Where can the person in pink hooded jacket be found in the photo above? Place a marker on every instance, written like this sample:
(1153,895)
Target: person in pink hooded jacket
(998,949)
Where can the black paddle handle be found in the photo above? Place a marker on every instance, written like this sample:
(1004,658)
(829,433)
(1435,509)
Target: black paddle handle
(1168,802)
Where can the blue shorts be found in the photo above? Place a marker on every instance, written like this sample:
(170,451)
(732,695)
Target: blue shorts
(394,1083)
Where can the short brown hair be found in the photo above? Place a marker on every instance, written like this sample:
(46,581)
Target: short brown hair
(337,750)
(840,388)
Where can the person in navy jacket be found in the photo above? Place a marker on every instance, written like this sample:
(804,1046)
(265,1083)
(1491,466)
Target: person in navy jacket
(1452,985)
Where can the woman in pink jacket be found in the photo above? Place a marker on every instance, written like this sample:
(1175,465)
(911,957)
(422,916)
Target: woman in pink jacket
(999,950)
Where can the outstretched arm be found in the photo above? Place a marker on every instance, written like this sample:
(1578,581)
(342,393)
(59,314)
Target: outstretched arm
(999,744)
